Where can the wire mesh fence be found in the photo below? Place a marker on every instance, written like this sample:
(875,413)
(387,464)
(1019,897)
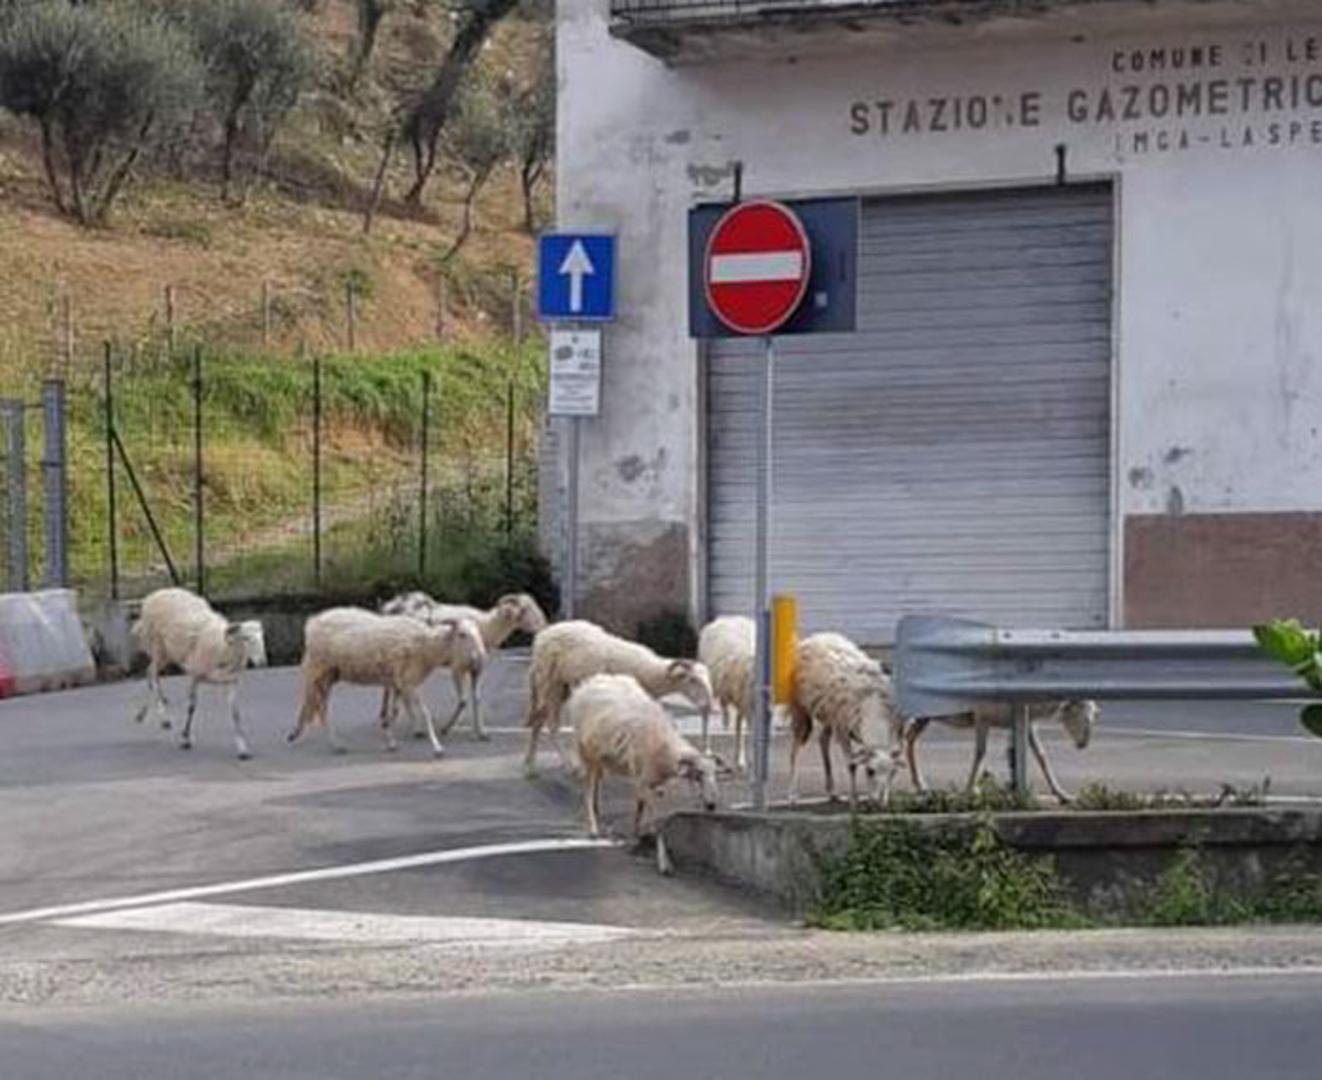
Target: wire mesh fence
(342,477)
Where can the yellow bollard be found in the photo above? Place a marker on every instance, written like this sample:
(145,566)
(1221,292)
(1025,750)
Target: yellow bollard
(784,639)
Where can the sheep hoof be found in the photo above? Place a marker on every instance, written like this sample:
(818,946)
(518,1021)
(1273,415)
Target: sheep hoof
(419,735)
(338,750)
(166,725)
(438,752)
(185,744)
(482,736)
(245,755)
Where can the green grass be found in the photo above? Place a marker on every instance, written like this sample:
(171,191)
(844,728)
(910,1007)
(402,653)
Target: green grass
(902,874)
(258,473)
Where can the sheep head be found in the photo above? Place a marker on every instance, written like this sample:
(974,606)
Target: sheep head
(701,770)
(413,604)
(1078,718)
(880,766)
(464,641)
(522,612)
(248,640)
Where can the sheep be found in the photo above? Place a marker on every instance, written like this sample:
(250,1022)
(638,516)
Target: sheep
(178,627)
(515,611)
(568,653)
(619,728)
(393,651)
(839,688)
(1077,717)
(728,647)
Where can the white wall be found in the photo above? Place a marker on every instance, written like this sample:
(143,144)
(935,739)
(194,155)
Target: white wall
(1219,245)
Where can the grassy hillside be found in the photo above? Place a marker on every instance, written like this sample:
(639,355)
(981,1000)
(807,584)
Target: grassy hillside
(261,285)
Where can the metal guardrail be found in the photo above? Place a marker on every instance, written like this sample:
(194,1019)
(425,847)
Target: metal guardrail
(663,10)
(944,665)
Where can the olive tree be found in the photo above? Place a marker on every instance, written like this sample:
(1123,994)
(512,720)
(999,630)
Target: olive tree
(533,134)
(100,82)
(479,142)
(256,63)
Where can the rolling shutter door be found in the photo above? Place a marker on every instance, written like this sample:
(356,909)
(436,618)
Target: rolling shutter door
(953,455)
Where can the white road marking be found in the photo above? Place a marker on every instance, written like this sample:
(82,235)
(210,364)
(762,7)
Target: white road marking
(352,927)
(756,266)
(301,877)
(1226,736)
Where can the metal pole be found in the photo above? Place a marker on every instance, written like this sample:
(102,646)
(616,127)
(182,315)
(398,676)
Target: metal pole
(171,333)
(316,471)
(351,314)
(141,495)
(571,556)
(199,531)
(14,413)
(56,485)
(422,494)
(509,461)
(112,505)
(266,315)
(68,333)
(761,587)
(1018,749)
(516,309)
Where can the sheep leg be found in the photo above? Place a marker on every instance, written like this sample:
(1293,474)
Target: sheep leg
(706,728)
(415,705)
(186,736)
(795,746)
(842,737)
(740,741)
(591,794)
(1040,753)
(911,736)
(475,696)
(825,742)
(389,714)
(386,701)
(530,758)
(979,752)
(240,743)
(458,704)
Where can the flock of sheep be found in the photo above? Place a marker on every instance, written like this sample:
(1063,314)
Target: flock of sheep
(605,689)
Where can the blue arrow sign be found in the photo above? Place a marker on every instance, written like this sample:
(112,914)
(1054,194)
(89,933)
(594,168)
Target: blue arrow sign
(576,277)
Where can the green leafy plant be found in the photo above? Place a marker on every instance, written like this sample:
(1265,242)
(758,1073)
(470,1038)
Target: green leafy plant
(1299,649)
(900,874)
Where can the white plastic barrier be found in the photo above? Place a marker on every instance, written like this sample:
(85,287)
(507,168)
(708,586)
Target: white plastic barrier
(42,644)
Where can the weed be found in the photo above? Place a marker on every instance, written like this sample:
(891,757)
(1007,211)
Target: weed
(900,874)
(190,232)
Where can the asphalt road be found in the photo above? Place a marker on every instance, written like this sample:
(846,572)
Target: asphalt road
(96,808)
(1196,1028)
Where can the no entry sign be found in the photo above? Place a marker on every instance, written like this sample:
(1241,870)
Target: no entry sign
(757,267)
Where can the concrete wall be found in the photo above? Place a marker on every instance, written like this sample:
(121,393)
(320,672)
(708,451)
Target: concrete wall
(1218,253)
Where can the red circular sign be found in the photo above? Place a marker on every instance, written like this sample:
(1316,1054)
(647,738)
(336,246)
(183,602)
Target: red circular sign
(757,266)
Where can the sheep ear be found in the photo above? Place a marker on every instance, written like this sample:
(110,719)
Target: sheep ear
(234,631)
(678,666)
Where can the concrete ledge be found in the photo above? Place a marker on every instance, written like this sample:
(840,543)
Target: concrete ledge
(1104,858)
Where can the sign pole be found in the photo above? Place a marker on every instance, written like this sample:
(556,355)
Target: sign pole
(762,705)
(568,601)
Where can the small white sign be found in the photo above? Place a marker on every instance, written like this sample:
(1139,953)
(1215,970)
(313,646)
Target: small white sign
(575,372)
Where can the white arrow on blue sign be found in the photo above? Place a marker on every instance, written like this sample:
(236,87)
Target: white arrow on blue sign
(576,277)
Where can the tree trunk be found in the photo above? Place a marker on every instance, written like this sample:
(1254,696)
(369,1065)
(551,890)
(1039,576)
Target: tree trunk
(370,15)
(227,159)
(529,173)
(427,119)
(48,162)
(466,228)
(379,184)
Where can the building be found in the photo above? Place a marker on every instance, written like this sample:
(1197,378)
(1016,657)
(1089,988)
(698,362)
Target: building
(1084,390)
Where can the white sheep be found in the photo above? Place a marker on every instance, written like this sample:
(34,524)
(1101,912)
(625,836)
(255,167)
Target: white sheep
(179,627)
(728,647)
(515,611)
(1077,717)
(620,728)
(393,651)
(569,653)
(845,693)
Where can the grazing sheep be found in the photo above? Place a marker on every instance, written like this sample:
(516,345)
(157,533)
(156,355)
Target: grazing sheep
(515,611)
(357,646)
(728,647)
(1076,717)
(179,627)
(847,695)
(619,728)
(568,653)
